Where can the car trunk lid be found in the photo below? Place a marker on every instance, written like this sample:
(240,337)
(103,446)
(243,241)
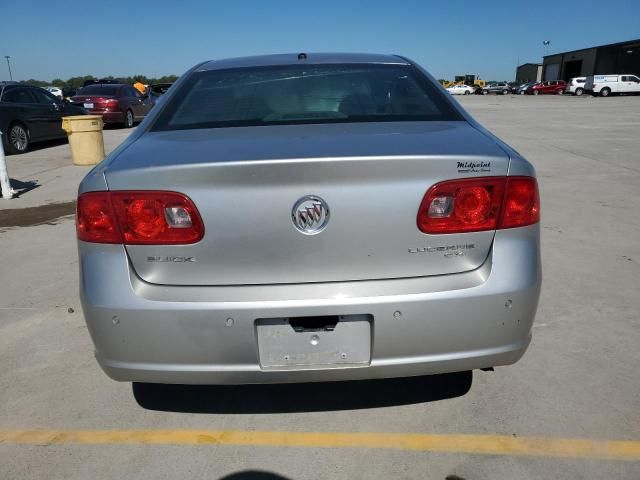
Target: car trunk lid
(246,181)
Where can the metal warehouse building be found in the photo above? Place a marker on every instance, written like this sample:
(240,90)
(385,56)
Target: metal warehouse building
(623,57)
(529,72)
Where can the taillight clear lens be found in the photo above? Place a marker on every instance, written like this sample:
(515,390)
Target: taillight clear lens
(521,203)
(141,217)
(478,204)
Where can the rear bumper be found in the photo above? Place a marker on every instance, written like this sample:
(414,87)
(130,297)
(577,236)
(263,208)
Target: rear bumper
(110,117)
(164,334)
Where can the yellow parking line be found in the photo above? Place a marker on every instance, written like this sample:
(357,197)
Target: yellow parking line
(473,444)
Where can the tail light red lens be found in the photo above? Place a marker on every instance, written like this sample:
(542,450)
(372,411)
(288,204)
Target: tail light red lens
(95,221)
(521,203)
(479,204)
(138,218)
(111,103)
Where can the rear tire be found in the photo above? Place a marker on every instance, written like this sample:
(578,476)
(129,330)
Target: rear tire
(536,92)
(128,119)
(466,92)
(504,92)
(605,92)
(579,92)
(560,92)
(17,139)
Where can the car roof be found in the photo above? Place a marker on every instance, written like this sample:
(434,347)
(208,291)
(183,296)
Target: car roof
(293,59)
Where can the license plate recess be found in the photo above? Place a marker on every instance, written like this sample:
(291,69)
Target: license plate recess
(314,342)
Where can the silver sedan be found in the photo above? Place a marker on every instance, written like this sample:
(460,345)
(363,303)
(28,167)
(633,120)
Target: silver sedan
(308,217)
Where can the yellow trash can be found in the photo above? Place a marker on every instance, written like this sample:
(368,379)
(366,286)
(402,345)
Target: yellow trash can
(85,138)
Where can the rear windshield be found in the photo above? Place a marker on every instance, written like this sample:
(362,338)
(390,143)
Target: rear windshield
(99,90)
(299,94)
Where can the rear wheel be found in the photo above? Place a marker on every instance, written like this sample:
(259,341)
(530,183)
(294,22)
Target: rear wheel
(579,91)
(536,92)
(128,119)
(560,92)
(605,92)
(466,92)
(484,92)
(17,140)
(504,92)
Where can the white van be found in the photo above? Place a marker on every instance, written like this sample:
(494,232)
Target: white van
(605,85)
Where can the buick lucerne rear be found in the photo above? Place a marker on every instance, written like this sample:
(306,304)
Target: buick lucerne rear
(312,217)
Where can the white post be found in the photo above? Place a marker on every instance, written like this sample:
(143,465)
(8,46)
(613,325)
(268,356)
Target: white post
(5,186)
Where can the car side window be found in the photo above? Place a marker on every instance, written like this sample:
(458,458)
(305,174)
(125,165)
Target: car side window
(18,95)
(43,96)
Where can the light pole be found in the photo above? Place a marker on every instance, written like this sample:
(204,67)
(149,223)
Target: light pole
(9,66)
(546,46)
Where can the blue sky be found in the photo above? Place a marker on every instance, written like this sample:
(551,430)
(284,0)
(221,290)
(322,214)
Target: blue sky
(109,37)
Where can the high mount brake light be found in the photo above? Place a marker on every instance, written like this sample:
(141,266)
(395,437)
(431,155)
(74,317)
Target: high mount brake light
(140,217)
(479,204)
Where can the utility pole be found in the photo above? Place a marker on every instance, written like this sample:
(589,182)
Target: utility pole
(9,66)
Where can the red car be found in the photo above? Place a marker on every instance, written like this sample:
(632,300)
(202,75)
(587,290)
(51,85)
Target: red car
(117,103)
(550,87)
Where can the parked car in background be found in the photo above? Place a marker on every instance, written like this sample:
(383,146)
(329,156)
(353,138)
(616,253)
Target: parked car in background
(157,90)
(31,114)
(461,90)
(498,88)
(550,87)
(514,87)
(116,103)
(605,85)
(522,88)
(228,234)
(67,92)
(575,86)
(55,91)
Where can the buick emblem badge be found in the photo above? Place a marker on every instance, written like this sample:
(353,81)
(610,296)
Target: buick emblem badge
(310,215)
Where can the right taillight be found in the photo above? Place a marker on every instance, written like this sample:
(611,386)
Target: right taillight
(479,204)
(521,204)
(111,103)
(138,217)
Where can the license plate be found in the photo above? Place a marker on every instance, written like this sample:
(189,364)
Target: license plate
(88,105)
(280,346)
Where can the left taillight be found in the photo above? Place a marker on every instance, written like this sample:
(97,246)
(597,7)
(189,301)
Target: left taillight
(139,217)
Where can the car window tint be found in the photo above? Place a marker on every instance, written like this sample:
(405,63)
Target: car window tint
(99,90)
(296,94)
(43,96)
(18,95)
